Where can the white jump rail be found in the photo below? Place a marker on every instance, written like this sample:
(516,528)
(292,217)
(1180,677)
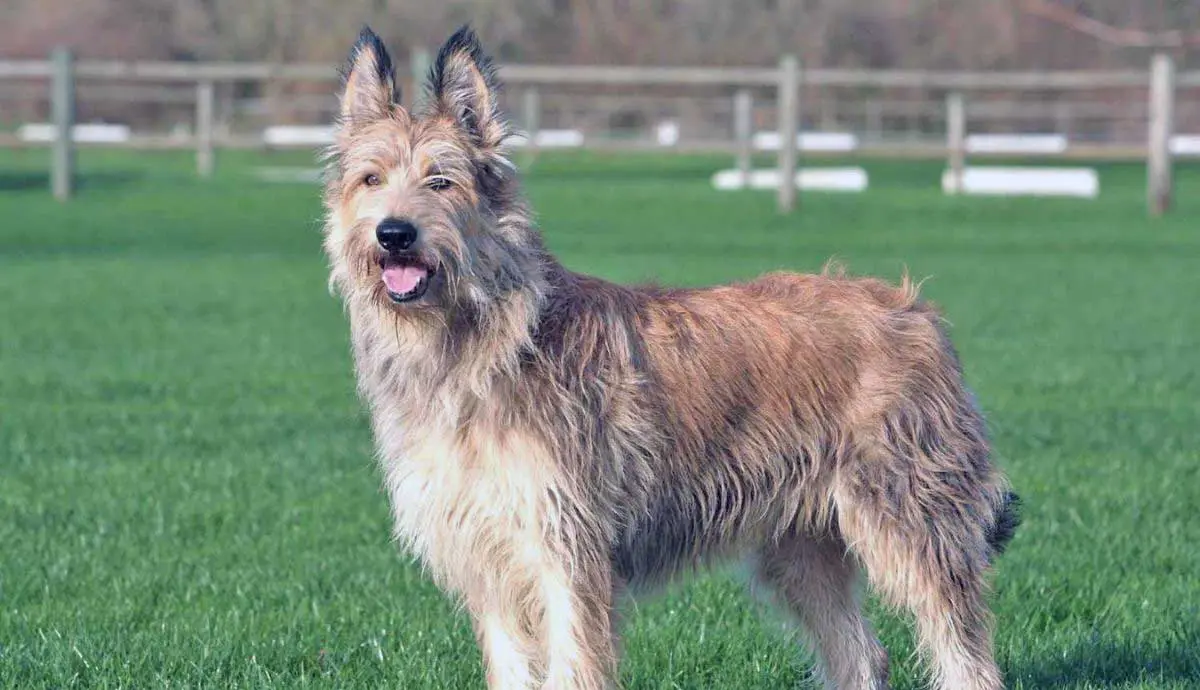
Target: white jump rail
(1024,181)
(279,175)
(90,133)
(815,142)
(294,135)
(547,139)
(1017,144)
(1020,181)
(810,179)
(1185,145)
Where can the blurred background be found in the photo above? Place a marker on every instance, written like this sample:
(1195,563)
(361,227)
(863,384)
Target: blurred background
(913,34)
(295,45)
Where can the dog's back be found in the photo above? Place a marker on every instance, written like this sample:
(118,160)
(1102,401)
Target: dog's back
(743,407)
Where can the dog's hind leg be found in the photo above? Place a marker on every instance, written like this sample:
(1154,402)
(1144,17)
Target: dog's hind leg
(817,579)
(918,506)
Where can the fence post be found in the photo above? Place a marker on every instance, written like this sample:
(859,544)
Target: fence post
(531,107)
(874,120)
(1162,111)
(223,117)
(788,107)
(743,131)
(956,139)
(1063,120)
(419,62)
(205,110)
(62,105)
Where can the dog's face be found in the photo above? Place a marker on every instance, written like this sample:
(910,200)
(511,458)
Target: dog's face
(420,203)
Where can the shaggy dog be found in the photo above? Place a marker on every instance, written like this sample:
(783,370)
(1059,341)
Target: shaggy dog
(551,441)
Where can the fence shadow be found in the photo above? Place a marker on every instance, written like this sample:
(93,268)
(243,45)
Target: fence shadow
(28,180)
(22,181)
(1108,663)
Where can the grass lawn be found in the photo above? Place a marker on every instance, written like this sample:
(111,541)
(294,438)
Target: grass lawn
(188,496)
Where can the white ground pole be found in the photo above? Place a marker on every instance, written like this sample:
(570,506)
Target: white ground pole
(1017,144)
(87,133)
(1185,145)
(829,142)
(546,139)
(283,136)
(1018,181)
(807,179)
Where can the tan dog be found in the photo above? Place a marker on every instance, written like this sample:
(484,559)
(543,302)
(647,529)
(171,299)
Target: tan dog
(551,441)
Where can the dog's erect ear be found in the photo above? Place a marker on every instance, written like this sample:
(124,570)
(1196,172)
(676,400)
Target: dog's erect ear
(369,80)
(464,86)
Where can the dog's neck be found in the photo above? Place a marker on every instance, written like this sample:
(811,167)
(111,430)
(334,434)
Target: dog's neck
(439,364)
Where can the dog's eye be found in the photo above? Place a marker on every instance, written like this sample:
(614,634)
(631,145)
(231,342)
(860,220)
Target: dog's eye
(439,183)
(372,180)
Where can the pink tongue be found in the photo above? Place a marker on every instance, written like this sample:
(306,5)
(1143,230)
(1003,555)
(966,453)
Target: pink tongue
(403,279)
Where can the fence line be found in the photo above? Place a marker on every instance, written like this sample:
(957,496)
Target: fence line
(521,75)
(785,81)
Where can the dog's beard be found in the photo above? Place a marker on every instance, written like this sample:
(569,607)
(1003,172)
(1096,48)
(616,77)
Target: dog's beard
(451,301)
(484,285)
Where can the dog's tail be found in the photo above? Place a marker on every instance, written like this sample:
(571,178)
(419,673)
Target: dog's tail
(1008,518)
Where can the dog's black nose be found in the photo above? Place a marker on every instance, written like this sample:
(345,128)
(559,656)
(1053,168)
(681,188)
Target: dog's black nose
(396,235)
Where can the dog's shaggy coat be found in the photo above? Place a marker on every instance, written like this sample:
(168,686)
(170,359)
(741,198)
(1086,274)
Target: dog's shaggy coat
(551,441)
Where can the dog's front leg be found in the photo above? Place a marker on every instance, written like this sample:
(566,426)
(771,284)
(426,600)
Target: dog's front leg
(506,657)
(579,628)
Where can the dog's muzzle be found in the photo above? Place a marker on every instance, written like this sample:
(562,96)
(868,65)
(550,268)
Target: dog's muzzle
(405,274)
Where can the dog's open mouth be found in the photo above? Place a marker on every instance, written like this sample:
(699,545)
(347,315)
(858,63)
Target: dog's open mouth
(406,276)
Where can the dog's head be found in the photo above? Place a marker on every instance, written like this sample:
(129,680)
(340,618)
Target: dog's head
(425,214)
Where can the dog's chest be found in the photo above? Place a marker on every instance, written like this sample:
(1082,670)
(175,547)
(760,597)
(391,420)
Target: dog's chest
(458,502)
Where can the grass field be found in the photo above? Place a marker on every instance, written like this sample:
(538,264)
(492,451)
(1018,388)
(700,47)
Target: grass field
(188,496)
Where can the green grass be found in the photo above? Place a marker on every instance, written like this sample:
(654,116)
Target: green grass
(188,496)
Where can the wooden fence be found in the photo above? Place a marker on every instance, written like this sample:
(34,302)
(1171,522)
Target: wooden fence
(782,86)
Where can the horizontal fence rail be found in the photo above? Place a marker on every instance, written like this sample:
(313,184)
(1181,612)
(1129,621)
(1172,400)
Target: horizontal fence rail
(1118,114)
(618,76)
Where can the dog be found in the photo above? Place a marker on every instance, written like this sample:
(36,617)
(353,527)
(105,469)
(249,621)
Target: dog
(552,442)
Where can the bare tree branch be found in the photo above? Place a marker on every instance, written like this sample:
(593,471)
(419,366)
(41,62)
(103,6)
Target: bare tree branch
(1106,33)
